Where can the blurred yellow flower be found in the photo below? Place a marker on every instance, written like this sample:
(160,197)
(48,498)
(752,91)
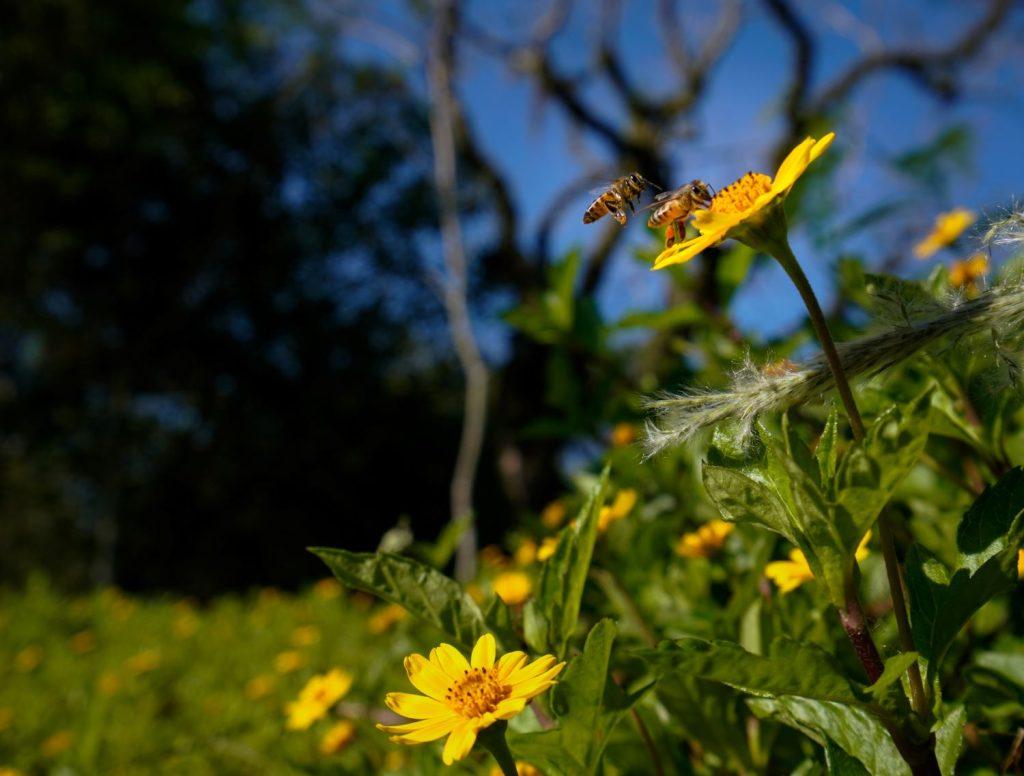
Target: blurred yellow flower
(305,636)
(492,557)
(394,760)
(259,687)
(145,661)
(744,205)
(948,226)
(6,716)
(788,575)
(965,274)
(474,591)
(1020,566)
(289,661)
(705,541)
(29,658)
(526,552)
(268,596)
(185,625)
(547,548)
(327,589)
(623,434)
(620,508)
(461,698)
(384,618)
(82,642)
(337,737)
(317,697)
(10,771)
(522,769)
(57,744)
(513,587)
(553,514)
(108,683)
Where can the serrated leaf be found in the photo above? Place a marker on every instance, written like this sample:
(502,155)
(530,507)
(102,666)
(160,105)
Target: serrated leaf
(550,617)
(741,499)
(424,592)
(899,301)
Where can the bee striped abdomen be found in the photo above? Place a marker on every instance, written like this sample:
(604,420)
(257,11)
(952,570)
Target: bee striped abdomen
(616,198)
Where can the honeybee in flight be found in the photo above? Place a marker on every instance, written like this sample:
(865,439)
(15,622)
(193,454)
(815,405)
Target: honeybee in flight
(616,198)
(674,207)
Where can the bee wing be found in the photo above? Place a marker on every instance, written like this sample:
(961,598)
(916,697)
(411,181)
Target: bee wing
(661,199)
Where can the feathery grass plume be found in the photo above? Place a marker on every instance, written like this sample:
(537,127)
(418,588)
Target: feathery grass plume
(753,392)
(1008,230)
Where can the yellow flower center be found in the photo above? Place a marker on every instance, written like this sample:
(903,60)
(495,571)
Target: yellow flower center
(479,692)
(739,197)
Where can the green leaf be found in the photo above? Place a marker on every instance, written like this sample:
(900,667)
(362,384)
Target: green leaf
(587,704)
(827,450)
(678,315)
(840,763)
(895,667)
(549,618)
(949,739)
(792,668)
(899,301)
(425,592)
(1007,665)
(741,499)
(993,523)
(858,733)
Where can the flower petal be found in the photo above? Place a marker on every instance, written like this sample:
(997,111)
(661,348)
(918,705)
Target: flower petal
(793,165)
(483,652)
(509,662)
(709,222)
(683,252)
(538,667)
(531,689)
(450,660)
(426,677)
(422,731)
(415,706)
(821,146)
(459,742)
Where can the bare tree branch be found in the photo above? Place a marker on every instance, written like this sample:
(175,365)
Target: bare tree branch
(803,49)
(440,65)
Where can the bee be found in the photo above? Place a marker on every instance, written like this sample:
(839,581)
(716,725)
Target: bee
(616,198)
(674,207)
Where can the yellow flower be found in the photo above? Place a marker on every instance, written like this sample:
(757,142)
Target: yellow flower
(6,716)
(10,772)
(259,686)
(305,636)
(461,698)
(185,625)
(82,642)
(547,548)
(1020,570)
(948,226)
(741,208)
(705,541)
(492,557)
(337,738)
(522,769)
(553,514)
(29,658)
(108,683)
(145,661)
(317,697)
(57,744)
(513,587)
(966,274)
(327,589)
(623,504)
(526,552)
(288,661)
(623,434)
(394,760)
(383,619)
(788,575)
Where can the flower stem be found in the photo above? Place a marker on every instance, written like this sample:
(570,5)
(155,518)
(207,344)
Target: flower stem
(784,255)
(493,740)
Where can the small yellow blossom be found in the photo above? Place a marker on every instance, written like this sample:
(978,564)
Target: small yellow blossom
(337,737)
(382,620)
(305,636)
(492,557)
(1020,564)
(526,552)
(705,541)
(185,625)
(788,575)
(553,514)
(145,661)
(461,698)
(620,508)
(259,687)
(328,589)
(966,274)
(57,744)
(82,642)
(289,661)
(317,697)
(513,587)
(6,717)
(522,769)
(948,226)
(10,772)
(29,658)
(108,683)
(744,204)
(547,548)
(623,434)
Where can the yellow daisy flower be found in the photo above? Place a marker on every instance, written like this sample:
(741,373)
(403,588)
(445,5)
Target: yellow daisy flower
(328,589)
(337,738)
(288,661)
(966,274)
(461,698)
(948,226)
(317,697)
(741,209)
(705,541)
(620,508)
(513,587)
(788,575)
(553,514)
(547,548)
(623,435)
(1020,564)
(526,552)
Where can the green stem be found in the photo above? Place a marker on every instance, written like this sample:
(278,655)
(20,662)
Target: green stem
(493,740)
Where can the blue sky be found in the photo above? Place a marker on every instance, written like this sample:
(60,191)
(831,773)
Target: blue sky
(534,144)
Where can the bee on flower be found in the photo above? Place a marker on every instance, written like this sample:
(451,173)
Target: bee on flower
(948,227)
(788,575)
(462,698)
(317,697)
(705,541)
